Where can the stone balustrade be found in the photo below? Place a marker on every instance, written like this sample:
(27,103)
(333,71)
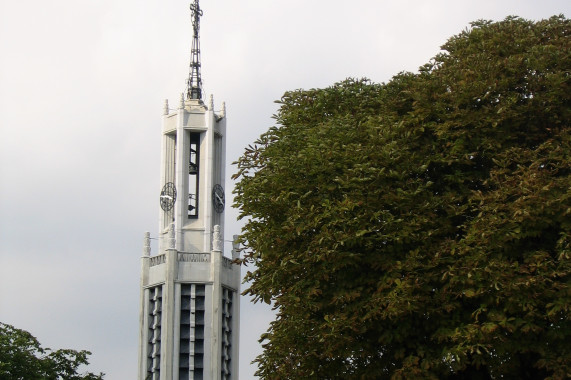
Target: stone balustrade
(226,262)
(157,260)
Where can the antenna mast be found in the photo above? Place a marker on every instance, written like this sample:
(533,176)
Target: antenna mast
(194,84)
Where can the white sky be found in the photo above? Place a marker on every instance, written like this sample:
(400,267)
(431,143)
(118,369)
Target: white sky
(82,83)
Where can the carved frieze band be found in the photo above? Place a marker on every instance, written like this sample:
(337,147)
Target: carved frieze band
(194,257)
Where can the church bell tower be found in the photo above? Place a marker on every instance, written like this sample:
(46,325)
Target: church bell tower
(189,307)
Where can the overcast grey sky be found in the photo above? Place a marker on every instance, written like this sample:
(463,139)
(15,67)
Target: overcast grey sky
(82,83)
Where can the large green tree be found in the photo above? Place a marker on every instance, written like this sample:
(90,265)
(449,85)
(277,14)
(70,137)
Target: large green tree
(23,358)
(420,228)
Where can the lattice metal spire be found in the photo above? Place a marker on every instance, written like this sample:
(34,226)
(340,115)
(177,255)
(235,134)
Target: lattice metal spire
(194,85)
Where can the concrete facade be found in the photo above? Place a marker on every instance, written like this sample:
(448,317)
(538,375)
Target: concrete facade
(189,304)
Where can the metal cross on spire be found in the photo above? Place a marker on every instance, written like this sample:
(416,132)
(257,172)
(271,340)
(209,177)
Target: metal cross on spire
(194,85)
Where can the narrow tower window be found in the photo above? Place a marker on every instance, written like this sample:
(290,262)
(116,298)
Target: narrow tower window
(193,173)
(169,174)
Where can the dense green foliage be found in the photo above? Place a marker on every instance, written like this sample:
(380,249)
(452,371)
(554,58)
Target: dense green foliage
(23,358)
(420,228)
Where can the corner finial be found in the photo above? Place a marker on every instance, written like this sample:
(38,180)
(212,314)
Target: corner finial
(235,247)
(223,113)
(147,244)
(216,240)
(166,107)
(181,105)
(211,105)
(172,239)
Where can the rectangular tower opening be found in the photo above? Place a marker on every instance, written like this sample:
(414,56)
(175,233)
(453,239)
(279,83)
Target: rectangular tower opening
(217,172)
(169,173)
(193,174)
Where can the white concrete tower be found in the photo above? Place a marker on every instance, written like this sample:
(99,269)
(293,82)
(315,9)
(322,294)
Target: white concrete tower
(189,313)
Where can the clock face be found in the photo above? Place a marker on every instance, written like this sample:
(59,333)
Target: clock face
(218,198)
(168,196)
